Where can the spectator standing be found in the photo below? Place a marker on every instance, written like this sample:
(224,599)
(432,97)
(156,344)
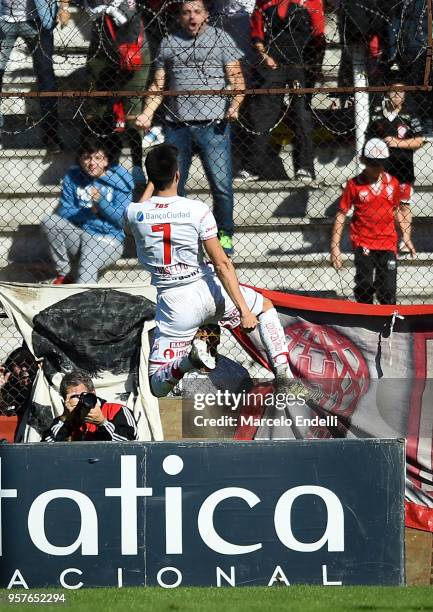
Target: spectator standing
(234,17)
(88,220)
(34,22)
(118,59)
(89,417)
(284,34)
(374,196)
(403,134)
(410,39)
(200,56)
(366,25)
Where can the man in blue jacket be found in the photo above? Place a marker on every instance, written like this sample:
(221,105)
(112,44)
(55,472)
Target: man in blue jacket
(87,222)
(34,22)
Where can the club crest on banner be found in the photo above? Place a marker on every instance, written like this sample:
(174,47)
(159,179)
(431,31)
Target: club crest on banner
(330,361)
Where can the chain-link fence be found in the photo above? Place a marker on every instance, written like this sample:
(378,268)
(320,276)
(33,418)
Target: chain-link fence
(270,105)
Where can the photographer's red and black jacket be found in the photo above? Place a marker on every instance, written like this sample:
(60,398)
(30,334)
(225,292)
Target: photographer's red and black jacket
(288,28)
(119,426)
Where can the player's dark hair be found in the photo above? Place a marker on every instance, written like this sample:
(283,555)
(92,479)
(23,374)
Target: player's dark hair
(73,379)
(161,165)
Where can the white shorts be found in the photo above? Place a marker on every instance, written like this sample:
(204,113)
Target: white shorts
(180,311)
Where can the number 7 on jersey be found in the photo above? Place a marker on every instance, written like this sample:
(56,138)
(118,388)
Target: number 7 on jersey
(165,228)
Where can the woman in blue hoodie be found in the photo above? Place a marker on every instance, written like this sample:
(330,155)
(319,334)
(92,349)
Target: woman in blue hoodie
(88,220)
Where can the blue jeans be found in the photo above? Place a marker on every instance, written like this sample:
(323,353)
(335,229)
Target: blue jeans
(40,43)
(213,145)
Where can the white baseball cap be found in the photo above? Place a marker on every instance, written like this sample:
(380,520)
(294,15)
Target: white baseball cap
(376,149)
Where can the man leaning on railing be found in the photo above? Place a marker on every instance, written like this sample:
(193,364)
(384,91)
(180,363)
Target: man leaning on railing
(200,56)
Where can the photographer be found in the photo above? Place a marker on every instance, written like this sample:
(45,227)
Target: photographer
(17,375)
(88,417)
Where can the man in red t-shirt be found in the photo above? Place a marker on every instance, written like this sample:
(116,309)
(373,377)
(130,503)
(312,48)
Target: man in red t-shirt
(375,198)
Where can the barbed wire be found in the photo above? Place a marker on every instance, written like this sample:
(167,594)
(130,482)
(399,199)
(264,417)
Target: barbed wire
(160,15)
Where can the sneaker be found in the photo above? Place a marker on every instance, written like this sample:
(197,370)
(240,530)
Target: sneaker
(63,279)
(59,280)
(244,176)
(402,248)
(53,145)
(276,174)
(226,242)
(285,384)
(154,137)
(200,357)
(304,176)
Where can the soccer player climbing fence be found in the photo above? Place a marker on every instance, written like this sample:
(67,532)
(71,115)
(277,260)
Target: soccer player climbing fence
(185,72)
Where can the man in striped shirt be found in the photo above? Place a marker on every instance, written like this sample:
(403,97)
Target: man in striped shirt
(104,421)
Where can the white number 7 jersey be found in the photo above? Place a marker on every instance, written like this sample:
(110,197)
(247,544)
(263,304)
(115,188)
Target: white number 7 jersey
(168,233)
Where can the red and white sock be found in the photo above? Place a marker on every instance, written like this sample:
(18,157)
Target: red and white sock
(168,375)
(274,340)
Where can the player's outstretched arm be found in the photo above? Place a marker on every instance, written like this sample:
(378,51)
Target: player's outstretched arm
(226,273)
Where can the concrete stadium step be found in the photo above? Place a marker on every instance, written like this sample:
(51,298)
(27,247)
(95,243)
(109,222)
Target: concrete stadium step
(20,74)
(307,274)
(289,222)
(335,165)
(415,279)
(29,107)
(284,244)
(74,77)
(75,35)
(28,209)
(277,203)
(71,46)
(414,285)
(316,259)
(256,247)
(31,169)
(74,39)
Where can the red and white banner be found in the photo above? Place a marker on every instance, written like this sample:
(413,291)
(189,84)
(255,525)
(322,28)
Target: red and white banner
(101,330)
(374,366)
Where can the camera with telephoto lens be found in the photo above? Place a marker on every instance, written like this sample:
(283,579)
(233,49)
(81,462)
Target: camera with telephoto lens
(86,402)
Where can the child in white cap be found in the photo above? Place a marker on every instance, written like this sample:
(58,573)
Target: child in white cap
(375,198)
